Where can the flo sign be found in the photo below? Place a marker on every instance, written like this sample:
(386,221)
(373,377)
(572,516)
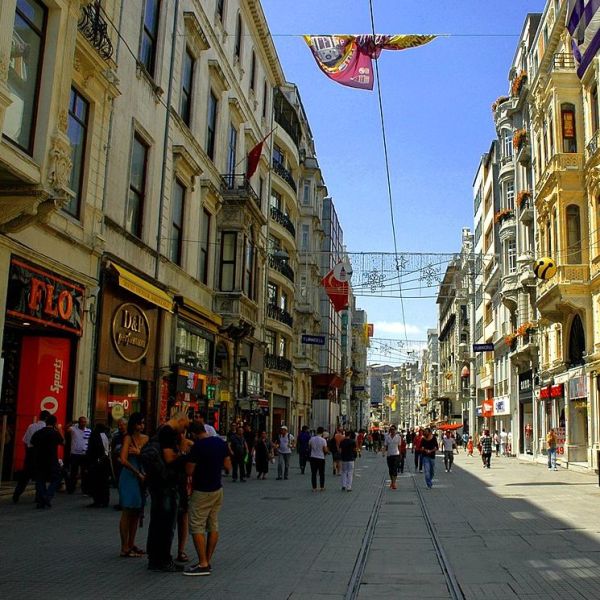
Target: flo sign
(131,332)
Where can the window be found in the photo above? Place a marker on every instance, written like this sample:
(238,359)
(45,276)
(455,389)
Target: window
(221,10)
(284,301)
(211,130)
(551,134)
(278,155)
(137,186)
(237,48)
(508,143)
(261,189)
(306,193)
(276,200)
(204,246)
(283,346)
(569,137)
(576,342)
(24,71)
(548,238)
(270,341)
(265,99)
(149,35)
(177,222)
(249,267)
(511,252)
(231,150)
(253,71)
(510,195)
(305,239)
(573,235)
(77,131)
(228,248)
(594,109)
(272,293)
(187,80)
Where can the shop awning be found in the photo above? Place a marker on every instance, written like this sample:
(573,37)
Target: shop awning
(142,288)
(202,315)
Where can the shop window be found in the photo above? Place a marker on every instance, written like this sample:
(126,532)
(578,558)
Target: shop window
(576,342)
(253,71)
(77,131)
(228,249)
(137,186)
(211,128)
(569,136)
(187,81)
(24,72)
(177,210)
(149,39)
(127,393)
(232,149)
(193,348)
(204,246)
(237,47)
(573,235)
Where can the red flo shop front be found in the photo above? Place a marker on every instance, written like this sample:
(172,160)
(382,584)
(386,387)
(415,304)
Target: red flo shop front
(44,323)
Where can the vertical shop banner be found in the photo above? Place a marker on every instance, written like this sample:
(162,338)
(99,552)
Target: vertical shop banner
(43,384)
(487,408)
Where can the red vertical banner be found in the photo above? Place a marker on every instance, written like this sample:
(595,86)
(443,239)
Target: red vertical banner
(43,384)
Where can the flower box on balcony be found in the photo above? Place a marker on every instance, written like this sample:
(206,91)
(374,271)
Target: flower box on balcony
(503,214)
(498,102)
(519,138)
(523,198)
(517,83)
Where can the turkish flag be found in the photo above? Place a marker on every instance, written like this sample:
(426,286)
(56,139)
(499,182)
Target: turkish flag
(487,408)
(254,159)
(336,290)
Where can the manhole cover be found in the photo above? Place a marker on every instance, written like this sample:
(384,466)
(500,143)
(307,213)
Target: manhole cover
(400,502)
(276,498)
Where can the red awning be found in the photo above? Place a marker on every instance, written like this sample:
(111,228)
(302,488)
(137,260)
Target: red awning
(450,426)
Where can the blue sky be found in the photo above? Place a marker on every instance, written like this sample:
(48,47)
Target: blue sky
(437,104)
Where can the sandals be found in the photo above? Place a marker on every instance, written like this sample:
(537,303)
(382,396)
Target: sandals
(137,550)
(130,554)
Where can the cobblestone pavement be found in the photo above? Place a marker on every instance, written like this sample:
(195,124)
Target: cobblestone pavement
(515,531)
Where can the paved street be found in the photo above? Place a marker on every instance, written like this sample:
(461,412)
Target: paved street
(515,531)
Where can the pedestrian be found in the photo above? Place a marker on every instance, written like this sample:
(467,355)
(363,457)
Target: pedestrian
(46,468)
(27,471)
(116,443)
(250,438)
(284,445)
(503,442)
(186,441)
(496,442)
(131,485)
(79,435)
(337,453)
(429,447)
(264,454)
(318,450)
(200,419)
(409,437)
(303,449)
(98,467)
(162,462)
(208,457)
(470,446)
(448,446)
(403,447)
(486,443)
(551,449)
(369,440)
(465,439)
(376,441)
(391,448)
(238,451)
(360,440)
(417,450)
(349,452)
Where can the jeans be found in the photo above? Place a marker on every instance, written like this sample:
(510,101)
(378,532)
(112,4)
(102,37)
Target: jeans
(418,460)
(303,454)
(163,519)
(317,465)
(429,469)
(552,458)
(44,494)
(237,463)
(448,459)
(487,459)
(392,462)
(283,465)
(347,474)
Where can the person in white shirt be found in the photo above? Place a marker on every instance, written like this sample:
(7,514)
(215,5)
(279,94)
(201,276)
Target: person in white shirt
(27,472)
(318,449)
(503,442)
(448,445)
(284,445)
(79,444)
(391,448)
(200,418)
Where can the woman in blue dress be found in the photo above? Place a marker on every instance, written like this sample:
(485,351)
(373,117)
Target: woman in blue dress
(131,480)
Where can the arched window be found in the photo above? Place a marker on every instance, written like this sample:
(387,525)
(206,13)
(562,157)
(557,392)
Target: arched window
(569,137)
(576,342)
(237,49)
(573,235)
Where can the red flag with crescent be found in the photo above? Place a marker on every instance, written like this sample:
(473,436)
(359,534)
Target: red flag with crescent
(336,285)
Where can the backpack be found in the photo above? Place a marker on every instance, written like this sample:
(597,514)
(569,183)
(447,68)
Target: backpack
(153,463)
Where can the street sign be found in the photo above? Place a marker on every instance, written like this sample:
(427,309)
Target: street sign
(358,388)
(483,347)
(317,340)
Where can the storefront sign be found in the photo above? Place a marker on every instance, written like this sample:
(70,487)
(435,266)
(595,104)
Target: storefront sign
(190,382)
(43,297)
(117,411)
(487,409)
(483,347)
(43,383)
(501,406)
(317,340)
(560,440)
(131,332)
(552,391)
(525,386)
(578,387)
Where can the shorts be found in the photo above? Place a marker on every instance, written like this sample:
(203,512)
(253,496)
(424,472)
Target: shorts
(204,508)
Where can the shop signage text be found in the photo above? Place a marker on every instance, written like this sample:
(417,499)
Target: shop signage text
(43,297)
(318,340)
(552,391)
(131,332)
(483,347)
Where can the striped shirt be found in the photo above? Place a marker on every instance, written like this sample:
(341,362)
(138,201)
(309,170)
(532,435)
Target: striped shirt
(79,439)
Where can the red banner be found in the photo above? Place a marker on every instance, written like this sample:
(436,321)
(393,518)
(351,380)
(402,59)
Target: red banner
(43,384)
(336,285)
(487,409)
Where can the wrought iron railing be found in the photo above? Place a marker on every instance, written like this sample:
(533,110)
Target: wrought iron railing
(280,314)
(283,220)
(239,185)
(279,264)
(593,144)
(278,363)
(284,174)
(95,29)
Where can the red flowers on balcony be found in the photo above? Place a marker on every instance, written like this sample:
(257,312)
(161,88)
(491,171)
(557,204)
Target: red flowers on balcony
(500,100)
(502,214)
(517,83)
(523,197)
(519,139)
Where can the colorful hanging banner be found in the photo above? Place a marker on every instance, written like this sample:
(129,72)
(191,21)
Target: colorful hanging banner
(583,23)
(336,285)
(348,59)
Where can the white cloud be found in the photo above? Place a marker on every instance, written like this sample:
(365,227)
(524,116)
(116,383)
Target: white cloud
(396,328)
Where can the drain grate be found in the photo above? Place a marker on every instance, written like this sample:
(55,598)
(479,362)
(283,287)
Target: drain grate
(276,498)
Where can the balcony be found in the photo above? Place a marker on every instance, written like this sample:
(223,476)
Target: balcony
(238,195)
(280,217)
(284,174)
(568,289)
(559,163)
(281,265)
(508,227)
(278,363)
(525,204)
(279,314)
(95,29)
(593,145)
(562,62)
